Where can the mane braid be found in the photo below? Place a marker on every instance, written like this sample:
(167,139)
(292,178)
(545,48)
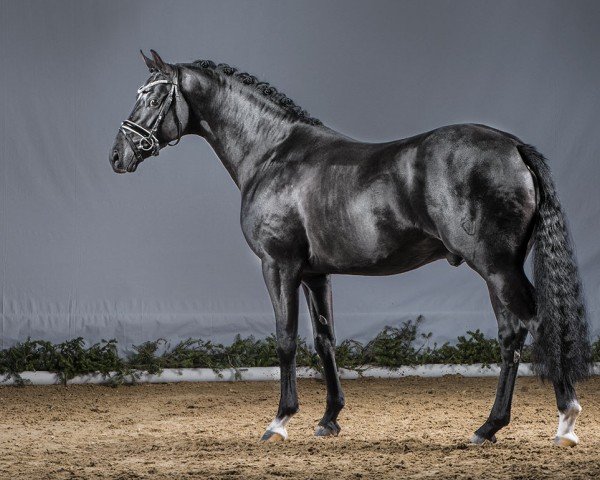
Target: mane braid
(265,88)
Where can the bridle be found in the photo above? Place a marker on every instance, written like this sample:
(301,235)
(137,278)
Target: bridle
(147,138)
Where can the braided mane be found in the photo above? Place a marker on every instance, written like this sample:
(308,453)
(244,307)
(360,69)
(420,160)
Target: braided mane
(265,88)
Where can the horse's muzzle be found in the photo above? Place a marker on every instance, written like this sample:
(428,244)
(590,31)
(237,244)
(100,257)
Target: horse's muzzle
(116,162)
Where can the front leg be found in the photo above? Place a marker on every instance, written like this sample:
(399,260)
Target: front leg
(283,282)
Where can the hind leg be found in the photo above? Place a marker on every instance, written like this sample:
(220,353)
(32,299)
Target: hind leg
(516,295)
(318,296)
(568,411)
(511,334)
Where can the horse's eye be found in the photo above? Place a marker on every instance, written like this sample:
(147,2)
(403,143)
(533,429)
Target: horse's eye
(154,102)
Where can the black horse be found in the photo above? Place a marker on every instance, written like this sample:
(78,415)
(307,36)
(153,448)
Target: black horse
(315,203)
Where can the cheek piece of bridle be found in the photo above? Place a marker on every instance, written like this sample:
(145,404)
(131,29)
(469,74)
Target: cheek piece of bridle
(147,138)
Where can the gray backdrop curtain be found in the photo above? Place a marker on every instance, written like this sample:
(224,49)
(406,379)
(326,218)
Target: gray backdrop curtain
(84,252)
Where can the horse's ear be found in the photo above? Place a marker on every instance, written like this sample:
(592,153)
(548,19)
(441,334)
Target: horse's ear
(160,65)
(149,62)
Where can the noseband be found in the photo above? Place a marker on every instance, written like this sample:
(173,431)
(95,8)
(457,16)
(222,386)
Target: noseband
(147,138)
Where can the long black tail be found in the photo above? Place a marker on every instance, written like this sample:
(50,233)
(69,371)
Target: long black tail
(561,349)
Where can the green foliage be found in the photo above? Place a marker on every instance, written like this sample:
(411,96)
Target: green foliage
(350,354)
(144,357)
(472,348)
(393,347)
(67,359)
(152,357)
(249,352)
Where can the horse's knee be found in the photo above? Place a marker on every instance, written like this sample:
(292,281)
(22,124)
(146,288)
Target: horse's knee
(286,350)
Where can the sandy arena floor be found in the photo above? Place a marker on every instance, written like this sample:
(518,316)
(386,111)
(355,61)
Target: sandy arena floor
(411,428)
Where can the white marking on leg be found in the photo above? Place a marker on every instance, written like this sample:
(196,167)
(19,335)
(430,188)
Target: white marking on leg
(278,426)
(565,433)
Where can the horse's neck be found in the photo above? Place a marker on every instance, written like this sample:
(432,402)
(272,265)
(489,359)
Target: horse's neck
(241,127)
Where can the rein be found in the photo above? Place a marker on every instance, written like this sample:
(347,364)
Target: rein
(148,142)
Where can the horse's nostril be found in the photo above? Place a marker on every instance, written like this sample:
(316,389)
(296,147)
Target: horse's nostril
(116,161)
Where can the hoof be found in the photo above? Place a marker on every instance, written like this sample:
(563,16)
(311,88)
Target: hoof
(276,431)
(330,429)
(276,435)
(567,440)
(565,434)
(479,440)
(272,437)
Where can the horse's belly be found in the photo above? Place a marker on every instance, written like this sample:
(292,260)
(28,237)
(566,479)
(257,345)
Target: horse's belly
(373,252)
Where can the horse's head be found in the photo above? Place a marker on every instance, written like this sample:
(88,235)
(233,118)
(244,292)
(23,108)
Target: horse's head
(159,117)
